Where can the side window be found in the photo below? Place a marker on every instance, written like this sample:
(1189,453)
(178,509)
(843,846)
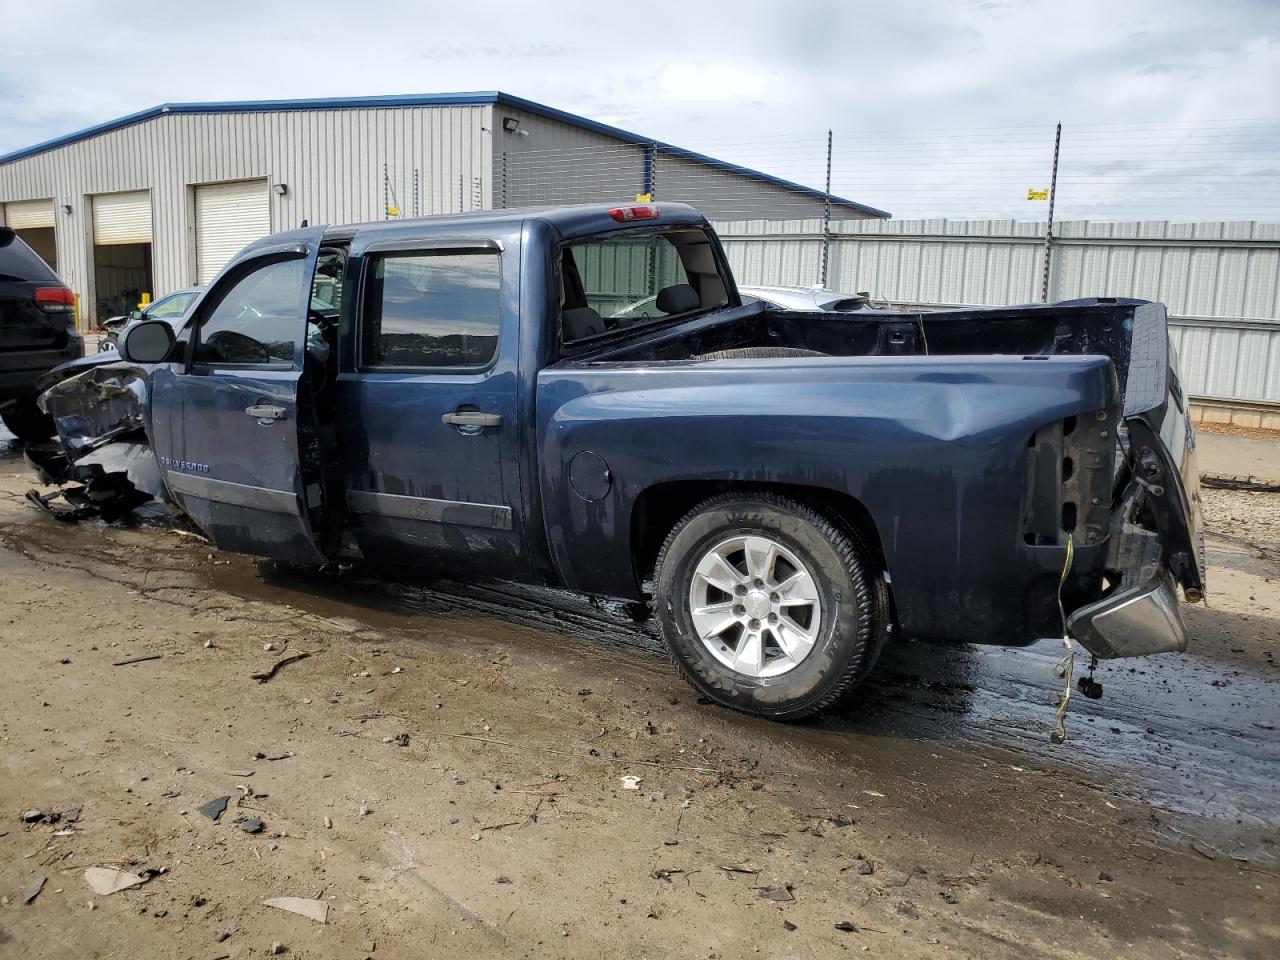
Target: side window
(257,319)
(430,309)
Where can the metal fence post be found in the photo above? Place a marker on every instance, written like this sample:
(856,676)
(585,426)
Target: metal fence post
(1048,230)
(826,217)
(505,204)
(651,171)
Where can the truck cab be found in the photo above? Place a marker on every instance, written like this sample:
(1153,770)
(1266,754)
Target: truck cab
(477,393)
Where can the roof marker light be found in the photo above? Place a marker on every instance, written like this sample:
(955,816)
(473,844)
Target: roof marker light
(643,211)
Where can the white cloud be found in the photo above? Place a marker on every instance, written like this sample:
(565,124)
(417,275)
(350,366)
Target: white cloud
(758,81)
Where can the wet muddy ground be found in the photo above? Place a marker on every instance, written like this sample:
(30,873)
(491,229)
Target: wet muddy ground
(501,826)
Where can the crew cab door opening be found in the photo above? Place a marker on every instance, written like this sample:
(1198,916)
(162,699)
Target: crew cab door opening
(428,410)
(240,401)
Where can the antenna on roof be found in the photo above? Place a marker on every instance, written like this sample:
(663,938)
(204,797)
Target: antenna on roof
(304,223)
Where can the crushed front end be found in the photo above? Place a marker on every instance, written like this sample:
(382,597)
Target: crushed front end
(101,461)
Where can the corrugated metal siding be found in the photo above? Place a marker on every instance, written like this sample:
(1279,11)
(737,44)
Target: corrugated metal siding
(726,195)
(559,163)
(332,161)
(1220,281)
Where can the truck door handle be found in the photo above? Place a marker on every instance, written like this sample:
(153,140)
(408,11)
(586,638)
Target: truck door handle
(472,418)
(266,411)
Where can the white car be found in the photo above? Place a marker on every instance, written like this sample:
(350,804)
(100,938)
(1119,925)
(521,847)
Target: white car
(782,298)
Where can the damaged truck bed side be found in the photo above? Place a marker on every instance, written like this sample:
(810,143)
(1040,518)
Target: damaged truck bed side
(791,489)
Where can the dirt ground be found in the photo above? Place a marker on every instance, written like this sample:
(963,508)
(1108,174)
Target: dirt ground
(499,825)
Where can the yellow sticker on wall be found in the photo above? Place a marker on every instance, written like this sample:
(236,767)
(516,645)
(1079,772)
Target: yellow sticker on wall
(644,198)
(1034,194)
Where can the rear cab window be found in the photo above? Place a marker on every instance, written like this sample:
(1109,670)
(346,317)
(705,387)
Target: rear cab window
(635,278)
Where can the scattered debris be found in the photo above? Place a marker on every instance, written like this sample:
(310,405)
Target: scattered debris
(106,881)
(788,925)
(873,793)
(227,934)
(214,808)
(777,894)
(34,889)
(149,656)
(741,868)
(665,873)
(251,825)
(365,810)
(72,815)
(861,865)
(316,910)
(275,667)
(402,740)
(1090,688)
(276,948)
(847,926)
(268,647)
(631,782)
(1105,877)
(905,908)
(328,823)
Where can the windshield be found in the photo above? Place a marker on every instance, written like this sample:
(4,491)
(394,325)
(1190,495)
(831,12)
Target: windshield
(636,277)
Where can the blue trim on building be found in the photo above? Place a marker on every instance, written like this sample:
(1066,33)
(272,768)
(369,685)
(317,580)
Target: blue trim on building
(473,99)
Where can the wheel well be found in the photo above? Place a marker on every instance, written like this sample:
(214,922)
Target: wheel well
(660,508)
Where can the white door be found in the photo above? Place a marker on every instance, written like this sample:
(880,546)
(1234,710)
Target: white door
(29,214)
(122,218)
(228,216)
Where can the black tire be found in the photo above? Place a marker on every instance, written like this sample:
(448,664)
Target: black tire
(27,423)
(759,353)
(855,609)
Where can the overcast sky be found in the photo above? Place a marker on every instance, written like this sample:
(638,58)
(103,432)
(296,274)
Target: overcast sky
(937,107)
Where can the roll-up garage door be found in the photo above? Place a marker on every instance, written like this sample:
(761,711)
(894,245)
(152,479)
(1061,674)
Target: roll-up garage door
(122,218)
(29,214)
(228,216)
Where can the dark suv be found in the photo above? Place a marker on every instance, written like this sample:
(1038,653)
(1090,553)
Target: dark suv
(37,332)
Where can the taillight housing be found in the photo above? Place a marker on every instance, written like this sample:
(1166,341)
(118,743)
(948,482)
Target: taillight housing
(640,211)
(55,300)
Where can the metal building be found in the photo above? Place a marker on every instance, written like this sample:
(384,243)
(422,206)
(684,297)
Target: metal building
(160,199)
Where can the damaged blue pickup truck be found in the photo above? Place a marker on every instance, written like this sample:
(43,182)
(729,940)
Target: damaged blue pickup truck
(789,490)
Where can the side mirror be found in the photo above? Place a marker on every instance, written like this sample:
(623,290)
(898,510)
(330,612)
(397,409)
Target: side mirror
(150,341)
(135,315)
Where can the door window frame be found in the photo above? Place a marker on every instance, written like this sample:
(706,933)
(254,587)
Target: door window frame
(454,245)
(232,275)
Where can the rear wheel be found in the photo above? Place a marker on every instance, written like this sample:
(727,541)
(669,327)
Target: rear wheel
(769,606)
(27,423)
